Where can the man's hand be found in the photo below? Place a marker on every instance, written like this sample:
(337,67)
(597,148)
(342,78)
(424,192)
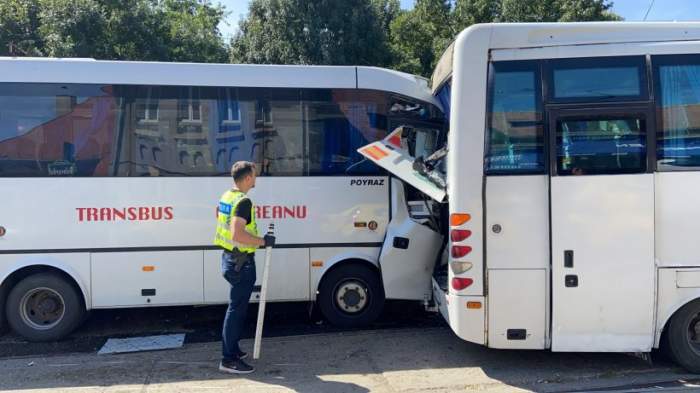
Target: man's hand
(240,235)
(269,240)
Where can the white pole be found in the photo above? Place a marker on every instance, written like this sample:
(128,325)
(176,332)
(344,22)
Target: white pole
(263,298)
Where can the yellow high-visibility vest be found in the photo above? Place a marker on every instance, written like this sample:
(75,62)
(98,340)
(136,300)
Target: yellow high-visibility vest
(227,206)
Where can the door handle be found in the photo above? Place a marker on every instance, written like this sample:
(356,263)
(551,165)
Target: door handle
(568,258)
(571,281)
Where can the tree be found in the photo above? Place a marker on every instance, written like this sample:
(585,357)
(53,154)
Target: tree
(421,35)
(315,32)
(556,11)
(18,28)
(73,28)
(137,30)
(193,33)
(469,12)
(165,30)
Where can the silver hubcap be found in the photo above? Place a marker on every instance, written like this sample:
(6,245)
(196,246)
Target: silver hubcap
(351,296)
(42,308)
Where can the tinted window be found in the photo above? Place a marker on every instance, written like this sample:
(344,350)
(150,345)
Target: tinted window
(515,142)
(58,130)
(678,143)
(598,79)
(281,119)
(192,131)
(444,95)
(92,130)
(338,123)
(602,145)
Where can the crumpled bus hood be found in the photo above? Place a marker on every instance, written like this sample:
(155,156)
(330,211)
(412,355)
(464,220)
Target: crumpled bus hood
(392,154)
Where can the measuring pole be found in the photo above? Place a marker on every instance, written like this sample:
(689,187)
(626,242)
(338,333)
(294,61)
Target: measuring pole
(263,298)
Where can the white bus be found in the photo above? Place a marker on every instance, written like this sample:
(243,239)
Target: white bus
(111,172)
(573,185)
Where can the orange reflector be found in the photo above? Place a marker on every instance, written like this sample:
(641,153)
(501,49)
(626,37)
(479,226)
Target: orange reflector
(317,263)
(473,305)
(148,268)
(457,219)
(375,152)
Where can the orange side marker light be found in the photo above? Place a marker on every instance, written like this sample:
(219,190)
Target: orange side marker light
(457,219)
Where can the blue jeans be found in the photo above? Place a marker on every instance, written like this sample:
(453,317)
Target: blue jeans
(242,283)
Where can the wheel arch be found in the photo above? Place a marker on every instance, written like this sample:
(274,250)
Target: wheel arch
(29,267)
(345,260)
(666,319)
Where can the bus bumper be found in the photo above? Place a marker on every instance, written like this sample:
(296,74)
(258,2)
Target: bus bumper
(468,322)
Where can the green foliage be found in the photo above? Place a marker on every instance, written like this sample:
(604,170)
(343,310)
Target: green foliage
(192,31)
(165,30)
(363,32)
(315,32)
(556,11)
(73,28)
(421,35)
(19,28)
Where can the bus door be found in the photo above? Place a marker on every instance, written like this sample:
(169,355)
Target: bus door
(602,228)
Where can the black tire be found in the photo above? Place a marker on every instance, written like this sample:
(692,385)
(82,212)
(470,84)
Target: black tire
(663,353)
(353,309)
(683,337)
(44,307)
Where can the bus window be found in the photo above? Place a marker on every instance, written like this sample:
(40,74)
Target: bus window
(515,141)
(678,142)
(280,125)
(338,122)
(598,79)
(604,145)
(57,130)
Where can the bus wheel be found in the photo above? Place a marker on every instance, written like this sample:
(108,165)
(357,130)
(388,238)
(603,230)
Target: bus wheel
(351,296)
(44,307)
(684,336)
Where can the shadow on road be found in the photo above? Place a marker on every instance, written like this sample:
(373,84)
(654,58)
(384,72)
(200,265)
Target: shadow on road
(381,360)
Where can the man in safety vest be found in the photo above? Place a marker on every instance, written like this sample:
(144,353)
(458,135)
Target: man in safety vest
(237,233)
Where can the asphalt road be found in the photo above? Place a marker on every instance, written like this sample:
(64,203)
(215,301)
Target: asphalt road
(203,324)
(407,350)
(385,360)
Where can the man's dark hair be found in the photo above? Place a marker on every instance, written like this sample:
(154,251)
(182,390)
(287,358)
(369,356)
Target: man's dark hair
(241,169)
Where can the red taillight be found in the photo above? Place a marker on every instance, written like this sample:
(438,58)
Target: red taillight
(457,235)
(461,283)
(460,251)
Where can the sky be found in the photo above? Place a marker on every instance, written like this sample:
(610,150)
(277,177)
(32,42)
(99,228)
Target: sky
(631,10)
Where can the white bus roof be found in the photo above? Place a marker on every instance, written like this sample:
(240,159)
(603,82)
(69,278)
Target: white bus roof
(537,35)
(67,70)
